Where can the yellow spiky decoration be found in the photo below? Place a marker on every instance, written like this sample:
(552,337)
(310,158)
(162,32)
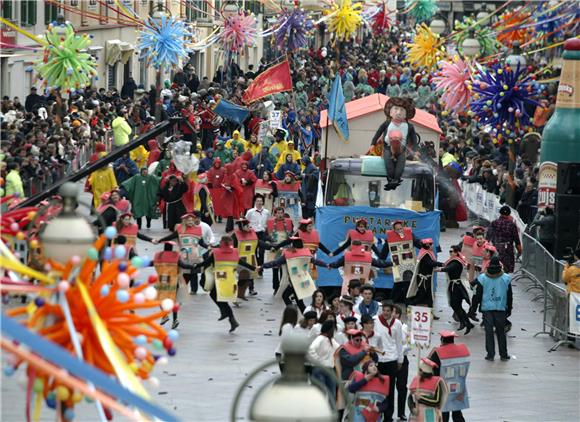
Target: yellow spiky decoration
(345,18)
(425,50)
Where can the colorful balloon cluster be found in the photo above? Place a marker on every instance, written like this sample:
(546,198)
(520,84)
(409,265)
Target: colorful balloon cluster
(65,63)
(162,41)
(293,30)
(501,98)
(426,49)
(239,31)
(345,18)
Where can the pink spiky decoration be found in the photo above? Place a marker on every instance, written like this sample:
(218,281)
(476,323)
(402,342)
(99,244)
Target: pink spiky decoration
(240,31)
(454,79)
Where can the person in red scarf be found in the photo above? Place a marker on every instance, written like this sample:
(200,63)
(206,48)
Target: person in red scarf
(244,182)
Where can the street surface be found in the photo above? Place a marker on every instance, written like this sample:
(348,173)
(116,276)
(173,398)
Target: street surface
(200,381)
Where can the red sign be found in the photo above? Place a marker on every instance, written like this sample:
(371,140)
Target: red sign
(272,81)
(7,35)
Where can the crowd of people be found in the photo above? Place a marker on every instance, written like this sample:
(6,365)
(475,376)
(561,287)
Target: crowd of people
(264,187)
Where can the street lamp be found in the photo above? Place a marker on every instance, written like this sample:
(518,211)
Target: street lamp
(68,234)
(470,46)
(516,58)
(438,26)
(290,397)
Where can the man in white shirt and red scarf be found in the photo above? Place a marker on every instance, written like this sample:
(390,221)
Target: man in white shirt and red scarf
(389,337)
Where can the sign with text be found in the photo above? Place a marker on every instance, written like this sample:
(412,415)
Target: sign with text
(421,319)
(275,119)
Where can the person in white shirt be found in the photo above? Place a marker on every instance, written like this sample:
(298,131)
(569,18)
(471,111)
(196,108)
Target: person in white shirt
(327,315)
(317,305)
(389,332)
(345,309)
(258,218)
(304,326)
(289,321)
(403,372)
(348,323)
(321,353)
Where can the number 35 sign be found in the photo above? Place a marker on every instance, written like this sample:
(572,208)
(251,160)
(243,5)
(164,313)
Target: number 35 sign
(421,318)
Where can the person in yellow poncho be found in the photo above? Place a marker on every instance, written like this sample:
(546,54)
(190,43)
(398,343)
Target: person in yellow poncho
(101,181)
(254,146)
(140,156)
(279,143)
(289,150)
(236,137)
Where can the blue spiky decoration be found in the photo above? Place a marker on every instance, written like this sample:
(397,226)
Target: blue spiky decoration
(422,10)
(292,33)
(162,41)
(501,95)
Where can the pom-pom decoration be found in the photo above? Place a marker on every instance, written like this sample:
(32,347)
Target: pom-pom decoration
(381,22)
(510,28)
(467,28)
(239,31)
(344,19)
(63,65)
(422,10)
(162,41)
(292,30)
(501,97)
(426,50)
(454,79)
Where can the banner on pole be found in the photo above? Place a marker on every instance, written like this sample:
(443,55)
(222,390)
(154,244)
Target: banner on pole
(421,319)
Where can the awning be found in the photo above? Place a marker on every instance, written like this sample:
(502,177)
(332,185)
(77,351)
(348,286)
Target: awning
(118,51)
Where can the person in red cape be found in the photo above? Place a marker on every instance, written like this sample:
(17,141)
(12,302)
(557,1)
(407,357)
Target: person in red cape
(154,152)
(216,177)
(232,210)
(244,181)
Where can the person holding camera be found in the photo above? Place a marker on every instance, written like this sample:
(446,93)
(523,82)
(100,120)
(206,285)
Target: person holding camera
(546,222)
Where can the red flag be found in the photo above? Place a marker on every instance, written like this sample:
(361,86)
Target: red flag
(275,79)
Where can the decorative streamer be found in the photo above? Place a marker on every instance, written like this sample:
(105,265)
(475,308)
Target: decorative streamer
(381,22)
(426,50)
(454,79)
(345,19)
(293,30)
(63,64)
(422,10)
(162,41)
(508,28)
(501,96)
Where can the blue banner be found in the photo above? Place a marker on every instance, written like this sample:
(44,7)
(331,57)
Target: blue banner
(231,111)
(333,223)
(337,109)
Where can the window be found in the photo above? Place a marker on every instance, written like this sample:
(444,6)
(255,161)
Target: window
(50,13)
(7,9)
(112,76)
(28,13)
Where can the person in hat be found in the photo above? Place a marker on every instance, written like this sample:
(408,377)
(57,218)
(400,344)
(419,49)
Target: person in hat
(286,163)
(296,280)
(294,155)
(353,354)
(494,296)
(371,390)
(458,289)
(399,112)
(247,242)
(279,144)
(289,196)
(428,393)
(142,191)
(388,338)
(361,233)
(244,185)
(452,360)
(224,261)
(421,288)
(504,235)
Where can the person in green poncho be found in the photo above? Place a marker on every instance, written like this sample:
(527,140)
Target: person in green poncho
(222,153)
(142,191)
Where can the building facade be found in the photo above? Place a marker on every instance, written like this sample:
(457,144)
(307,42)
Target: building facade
(115,38)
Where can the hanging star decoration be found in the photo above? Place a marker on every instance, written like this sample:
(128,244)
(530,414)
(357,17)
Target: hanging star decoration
(422,10)
(426,50)
(454,79)
(509,28)
(467,28)
(501,96)
(239,31)
(345,18)
(65,63)
(162,41)
(293,29)
(381,22)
